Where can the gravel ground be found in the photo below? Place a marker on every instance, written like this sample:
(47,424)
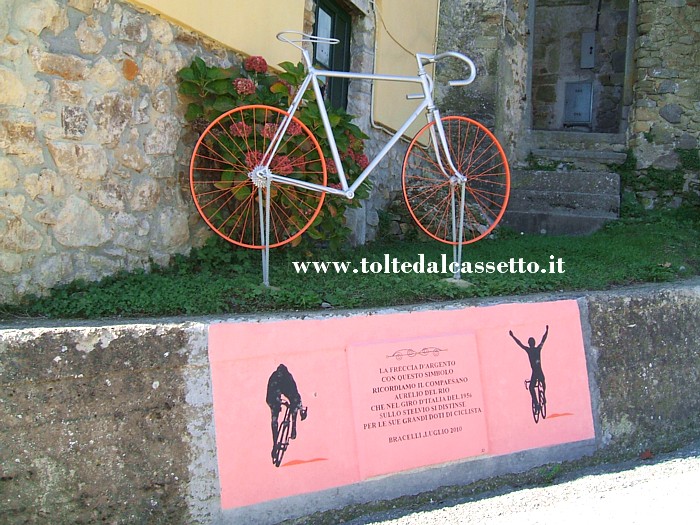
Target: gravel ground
(663,489)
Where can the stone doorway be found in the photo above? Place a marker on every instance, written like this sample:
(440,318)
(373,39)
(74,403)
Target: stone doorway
(580,59)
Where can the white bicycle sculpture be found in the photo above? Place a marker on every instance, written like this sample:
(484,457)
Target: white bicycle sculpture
(259,177)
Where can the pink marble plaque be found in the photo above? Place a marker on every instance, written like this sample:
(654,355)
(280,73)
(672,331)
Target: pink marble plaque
(416,402)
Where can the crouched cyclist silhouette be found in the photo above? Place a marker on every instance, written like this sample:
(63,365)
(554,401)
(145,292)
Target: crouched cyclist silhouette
(281,385)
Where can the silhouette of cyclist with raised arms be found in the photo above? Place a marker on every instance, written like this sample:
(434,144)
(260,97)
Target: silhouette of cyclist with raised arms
(281,383)
(534,354)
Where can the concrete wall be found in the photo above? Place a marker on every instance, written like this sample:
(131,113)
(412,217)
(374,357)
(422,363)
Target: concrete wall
(249,27)
(113,422)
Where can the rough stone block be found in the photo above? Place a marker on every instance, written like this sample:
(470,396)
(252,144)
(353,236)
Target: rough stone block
(12,90)
(78,224)
(18,236)
(84,6)
(46,183)
(35,16)
(163,139)
(111,113)
(646,343)
(90,36)
(18,137)
(85,161)
(9,175)
(671,113)
(68,67)
(74,120)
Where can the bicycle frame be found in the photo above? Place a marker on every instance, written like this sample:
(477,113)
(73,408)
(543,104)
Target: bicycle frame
(433,114)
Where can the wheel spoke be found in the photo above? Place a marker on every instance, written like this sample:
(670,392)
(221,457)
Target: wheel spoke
(476,154)
(226,198)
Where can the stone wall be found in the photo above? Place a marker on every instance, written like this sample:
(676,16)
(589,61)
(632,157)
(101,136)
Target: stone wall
(93,151)
(114,423)
(666,113)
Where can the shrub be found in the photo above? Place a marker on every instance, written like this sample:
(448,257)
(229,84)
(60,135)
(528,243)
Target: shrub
(213,91)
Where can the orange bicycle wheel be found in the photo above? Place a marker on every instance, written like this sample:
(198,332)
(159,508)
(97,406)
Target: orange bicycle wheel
(228,194)
(430,192)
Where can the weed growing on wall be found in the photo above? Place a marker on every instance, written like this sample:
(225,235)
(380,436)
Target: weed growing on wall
(654,187)
(213,90)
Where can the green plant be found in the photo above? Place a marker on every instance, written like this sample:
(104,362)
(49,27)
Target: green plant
(535,163)
(213,91)
(549,473)
(690,159)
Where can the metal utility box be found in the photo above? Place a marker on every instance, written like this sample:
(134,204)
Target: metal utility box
(578,99)
(587,50)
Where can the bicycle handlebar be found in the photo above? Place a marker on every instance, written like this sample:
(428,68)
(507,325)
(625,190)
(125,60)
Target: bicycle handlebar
(431,59)
(304,37)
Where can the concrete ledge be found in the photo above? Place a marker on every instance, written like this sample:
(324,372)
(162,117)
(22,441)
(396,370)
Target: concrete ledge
(113,421)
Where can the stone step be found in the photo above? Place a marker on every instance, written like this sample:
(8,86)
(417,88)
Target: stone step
(561,202)
(585,204)
(567,181)
(553,223)
(575,140)
(596,157)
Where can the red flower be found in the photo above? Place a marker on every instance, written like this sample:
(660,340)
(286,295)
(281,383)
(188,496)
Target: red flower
(240,129)
(294,128)
(362,160)
(269,130)
(253,159)
(256,64)
(330,166)
(244,86)
(282,165)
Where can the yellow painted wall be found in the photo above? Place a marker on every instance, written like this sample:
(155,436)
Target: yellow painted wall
(248,26)
(404,27)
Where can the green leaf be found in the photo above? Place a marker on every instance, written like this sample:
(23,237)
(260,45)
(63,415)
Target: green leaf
(186,73)
(356,131)
(190,89)
(287,66)
(342,141)
(334,119)
(217,73)
(224,103)
(218,87)
(242,192)
(280,87)
(199,67)
(193,111)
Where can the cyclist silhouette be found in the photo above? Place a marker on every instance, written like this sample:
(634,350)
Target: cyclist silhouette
(281,383)
(534,354)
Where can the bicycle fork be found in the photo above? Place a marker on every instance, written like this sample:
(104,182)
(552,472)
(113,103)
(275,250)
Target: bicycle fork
(264,212)
(458,184)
